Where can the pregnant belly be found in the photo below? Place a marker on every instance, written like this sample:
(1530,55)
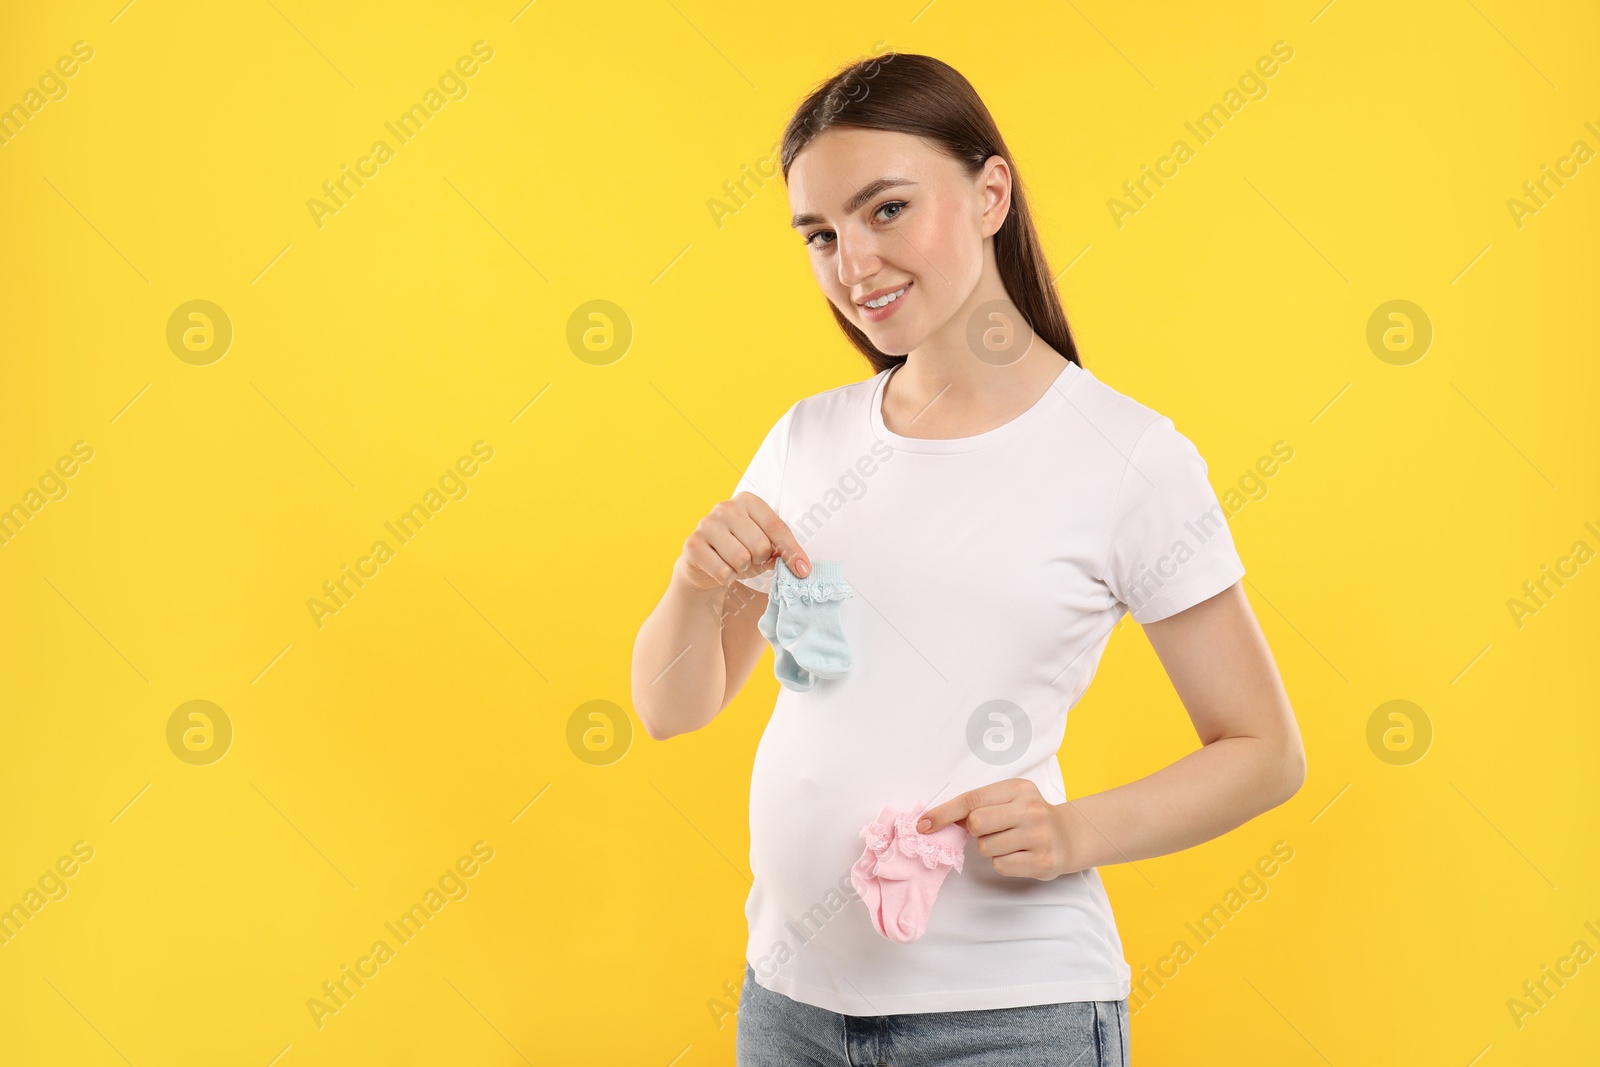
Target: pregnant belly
(813,786)
(810,794)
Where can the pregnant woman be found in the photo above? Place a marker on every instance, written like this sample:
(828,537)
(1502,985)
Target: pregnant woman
(937,555)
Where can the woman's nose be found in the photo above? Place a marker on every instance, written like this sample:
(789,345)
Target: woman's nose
(858,258)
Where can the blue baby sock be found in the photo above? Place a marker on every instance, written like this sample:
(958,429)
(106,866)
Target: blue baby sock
(808,622)
(789,673)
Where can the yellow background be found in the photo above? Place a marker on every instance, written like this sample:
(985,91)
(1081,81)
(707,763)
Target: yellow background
(435,709)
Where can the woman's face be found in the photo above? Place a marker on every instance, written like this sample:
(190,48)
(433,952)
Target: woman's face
(881,211)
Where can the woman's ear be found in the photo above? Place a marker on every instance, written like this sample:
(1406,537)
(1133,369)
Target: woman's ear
(995,183)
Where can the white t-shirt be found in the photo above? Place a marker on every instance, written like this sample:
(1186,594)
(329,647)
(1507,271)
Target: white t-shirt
(988,573)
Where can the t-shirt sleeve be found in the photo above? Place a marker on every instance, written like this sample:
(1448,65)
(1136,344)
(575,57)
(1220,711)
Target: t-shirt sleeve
(764,477)
(1170,543)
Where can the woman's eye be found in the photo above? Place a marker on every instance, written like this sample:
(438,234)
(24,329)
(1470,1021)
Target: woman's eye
(810,241)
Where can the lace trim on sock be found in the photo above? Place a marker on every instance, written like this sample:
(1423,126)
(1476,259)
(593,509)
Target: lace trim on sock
(877,836)
(811,590)
(927,847)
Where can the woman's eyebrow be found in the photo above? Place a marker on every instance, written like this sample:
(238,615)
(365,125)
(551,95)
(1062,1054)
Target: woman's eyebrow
(864,194)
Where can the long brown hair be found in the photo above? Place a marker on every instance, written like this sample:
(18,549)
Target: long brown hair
(924,96)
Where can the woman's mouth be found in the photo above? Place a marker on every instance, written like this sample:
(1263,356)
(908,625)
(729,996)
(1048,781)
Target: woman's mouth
(894,300)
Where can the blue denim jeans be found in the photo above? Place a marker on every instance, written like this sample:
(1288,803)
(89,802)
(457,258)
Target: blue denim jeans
(775,1031)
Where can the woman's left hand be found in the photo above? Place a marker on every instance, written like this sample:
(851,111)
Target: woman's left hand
(1023,834)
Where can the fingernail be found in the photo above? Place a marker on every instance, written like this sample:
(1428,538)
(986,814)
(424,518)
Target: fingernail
(924,824)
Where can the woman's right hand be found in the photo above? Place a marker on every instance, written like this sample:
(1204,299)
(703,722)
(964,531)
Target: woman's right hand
(740,538)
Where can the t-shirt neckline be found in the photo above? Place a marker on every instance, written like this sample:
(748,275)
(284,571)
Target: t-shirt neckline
(880,429)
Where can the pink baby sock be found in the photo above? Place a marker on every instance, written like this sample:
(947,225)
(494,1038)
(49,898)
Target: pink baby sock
(911,872)
(901,872)
(878,834)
